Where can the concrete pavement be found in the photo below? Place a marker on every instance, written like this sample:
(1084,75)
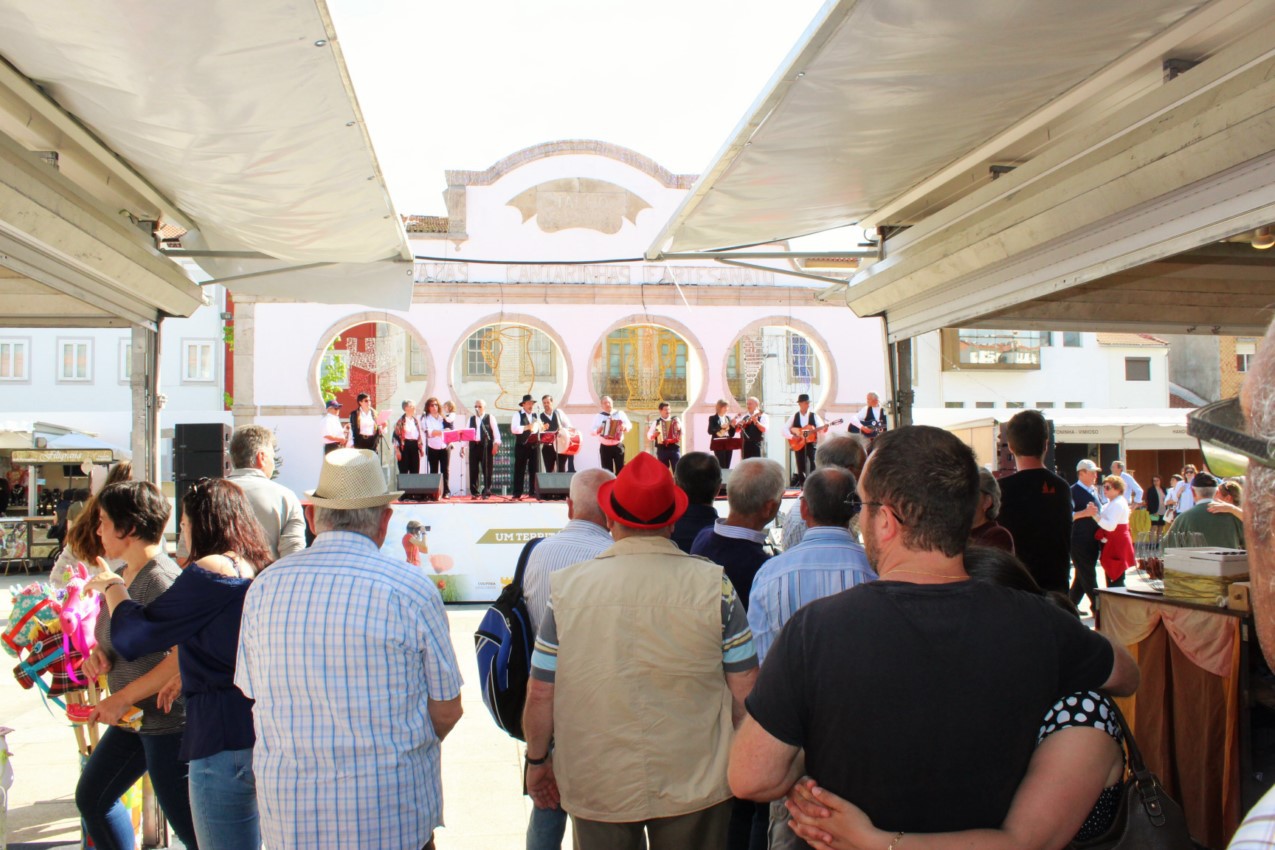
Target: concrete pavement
(482,766)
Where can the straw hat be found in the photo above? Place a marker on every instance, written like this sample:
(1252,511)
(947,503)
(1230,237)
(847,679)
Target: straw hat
(643,495)
(351,479)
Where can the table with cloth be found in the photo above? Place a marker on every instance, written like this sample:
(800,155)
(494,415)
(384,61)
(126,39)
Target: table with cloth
(1190,714)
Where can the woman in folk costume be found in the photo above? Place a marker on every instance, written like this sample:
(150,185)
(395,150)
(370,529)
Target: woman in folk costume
(1113,528)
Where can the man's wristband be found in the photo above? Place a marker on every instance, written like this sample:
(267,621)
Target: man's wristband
(539,761)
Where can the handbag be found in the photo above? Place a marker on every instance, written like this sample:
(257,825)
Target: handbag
(1148,818)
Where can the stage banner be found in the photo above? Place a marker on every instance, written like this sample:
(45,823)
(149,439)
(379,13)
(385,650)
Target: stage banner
(473,548)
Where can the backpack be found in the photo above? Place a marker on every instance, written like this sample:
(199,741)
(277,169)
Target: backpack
(503,643)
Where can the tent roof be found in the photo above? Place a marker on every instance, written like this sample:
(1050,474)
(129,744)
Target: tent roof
(1013,152)
(237,122)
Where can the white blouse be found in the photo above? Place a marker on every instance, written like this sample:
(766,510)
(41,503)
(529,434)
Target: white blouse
(1114,513)
(432,424)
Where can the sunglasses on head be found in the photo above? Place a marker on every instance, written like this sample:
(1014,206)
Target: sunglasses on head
(1226,439)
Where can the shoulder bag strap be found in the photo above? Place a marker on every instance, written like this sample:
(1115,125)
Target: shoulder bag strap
(523,557)
(1144,780)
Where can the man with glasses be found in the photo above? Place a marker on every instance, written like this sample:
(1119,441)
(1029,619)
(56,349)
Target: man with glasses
(1238,435)
(921,664)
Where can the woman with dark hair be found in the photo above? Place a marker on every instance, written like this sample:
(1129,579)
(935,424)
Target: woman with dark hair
(131,520)
(200,613)
(1079,758)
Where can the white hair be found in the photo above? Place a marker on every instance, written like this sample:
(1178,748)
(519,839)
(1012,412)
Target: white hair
(753,483)
(365,521)
(584,495)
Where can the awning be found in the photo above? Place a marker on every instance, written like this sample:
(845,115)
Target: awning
(1014,152)
(237,122)
(1134,428)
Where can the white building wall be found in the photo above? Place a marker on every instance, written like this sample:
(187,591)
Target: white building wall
(1092,375)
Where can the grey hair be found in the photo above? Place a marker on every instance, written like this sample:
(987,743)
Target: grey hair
(1202,493)
(365,521)
(406,402)
(584,494)
(989,486)
(607,398)
(479,401)
(754,399)
(247,442)
(841,451)
(753,483)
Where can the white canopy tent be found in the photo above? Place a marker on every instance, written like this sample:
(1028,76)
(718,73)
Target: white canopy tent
(236,123)
(1028,165)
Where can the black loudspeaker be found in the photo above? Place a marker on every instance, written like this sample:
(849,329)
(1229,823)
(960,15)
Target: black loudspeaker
(202,437)
(425,487)
(192,466)
(721,491)
(551,485)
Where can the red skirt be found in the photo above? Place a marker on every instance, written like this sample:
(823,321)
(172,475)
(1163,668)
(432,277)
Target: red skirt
(1118,554)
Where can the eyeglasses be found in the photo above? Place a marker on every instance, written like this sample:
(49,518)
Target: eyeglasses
(1226,440)
(856,504)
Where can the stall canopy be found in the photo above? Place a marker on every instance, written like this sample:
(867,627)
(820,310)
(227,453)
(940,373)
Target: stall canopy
(235,123)
(1080,165)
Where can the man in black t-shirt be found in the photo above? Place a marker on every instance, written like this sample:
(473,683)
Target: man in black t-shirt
(917,697)
(1036,504)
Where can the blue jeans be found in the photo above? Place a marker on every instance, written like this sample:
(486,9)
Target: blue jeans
(121,757)
(223,796)
(546,828)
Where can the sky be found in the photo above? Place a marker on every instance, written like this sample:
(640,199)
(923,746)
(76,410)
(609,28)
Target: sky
(461,85)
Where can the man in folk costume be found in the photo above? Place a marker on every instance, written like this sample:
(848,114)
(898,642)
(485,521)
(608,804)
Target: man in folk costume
(611,425)
(754,425)
(408,445)
(666,433)
(551,420)
(802,419)
(482,451)
(868,422)
(335,434)
(525,425)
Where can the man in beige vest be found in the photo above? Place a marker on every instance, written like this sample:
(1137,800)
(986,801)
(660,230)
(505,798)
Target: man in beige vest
(641,666)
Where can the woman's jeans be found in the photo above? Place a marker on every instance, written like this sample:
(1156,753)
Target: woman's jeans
(223,795)
(121,757)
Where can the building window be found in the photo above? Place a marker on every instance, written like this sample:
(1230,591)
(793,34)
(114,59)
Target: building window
(478,359)
(1016,405)
(803,364)
(198,363)
(415,359)
(955,405)
(13,359)
(1046,339)
(126,361)
(1074,405)
(984,405)
(1242,362)
(992,350)
(540,362)
(1044,405)
(1071,339)
(1137,368)
(75,360)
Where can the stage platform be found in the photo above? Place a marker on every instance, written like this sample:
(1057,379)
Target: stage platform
(474,543)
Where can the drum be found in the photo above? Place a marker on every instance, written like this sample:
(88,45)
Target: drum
(567,442)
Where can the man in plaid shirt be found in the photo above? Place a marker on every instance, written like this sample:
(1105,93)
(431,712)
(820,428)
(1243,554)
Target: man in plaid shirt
(348,657)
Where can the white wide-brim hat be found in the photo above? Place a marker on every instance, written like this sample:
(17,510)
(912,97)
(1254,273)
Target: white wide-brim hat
(351,479)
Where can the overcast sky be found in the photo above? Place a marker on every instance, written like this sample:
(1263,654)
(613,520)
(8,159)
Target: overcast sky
(460,85)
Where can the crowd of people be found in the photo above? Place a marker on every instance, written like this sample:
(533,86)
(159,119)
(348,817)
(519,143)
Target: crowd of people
(689,686)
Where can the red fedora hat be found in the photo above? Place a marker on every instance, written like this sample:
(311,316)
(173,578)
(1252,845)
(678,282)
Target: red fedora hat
(643,495)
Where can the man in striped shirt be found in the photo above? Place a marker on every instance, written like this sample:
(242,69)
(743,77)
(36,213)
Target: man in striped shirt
(584,537)
(348,656)
(640,670)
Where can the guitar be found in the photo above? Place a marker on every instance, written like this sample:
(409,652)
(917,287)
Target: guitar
(809,434)
(868,431)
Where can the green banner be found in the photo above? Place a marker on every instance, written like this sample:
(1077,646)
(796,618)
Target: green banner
(515,535)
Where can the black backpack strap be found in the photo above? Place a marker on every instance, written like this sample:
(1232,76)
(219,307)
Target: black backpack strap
(523,557)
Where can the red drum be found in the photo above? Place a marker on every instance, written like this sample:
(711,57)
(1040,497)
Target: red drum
(567,442)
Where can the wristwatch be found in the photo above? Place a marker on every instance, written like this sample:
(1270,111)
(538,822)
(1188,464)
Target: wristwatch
(539,761)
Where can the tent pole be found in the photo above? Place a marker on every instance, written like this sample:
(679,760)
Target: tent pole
(901,381)
(146,404)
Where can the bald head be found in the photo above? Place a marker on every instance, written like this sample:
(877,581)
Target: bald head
(582,499)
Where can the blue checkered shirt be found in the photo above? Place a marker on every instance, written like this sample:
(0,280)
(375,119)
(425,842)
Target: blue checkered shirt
(826,561)
(341,647)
